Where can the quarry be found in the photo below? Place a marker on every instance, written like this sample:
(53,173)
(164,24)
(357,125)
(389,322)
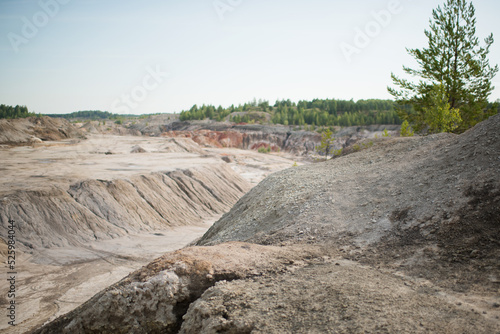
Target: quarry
(184,227)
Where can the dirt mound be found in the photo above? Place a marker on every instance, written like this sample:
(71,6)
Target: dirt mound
(109,127)
(89,127)
(103,209)
(137,149)
(181,145)
(36,129)
(427,201)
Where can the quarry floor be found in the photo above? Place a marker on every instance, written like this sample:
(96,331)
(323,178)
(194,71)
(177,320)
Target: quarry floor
(51,282)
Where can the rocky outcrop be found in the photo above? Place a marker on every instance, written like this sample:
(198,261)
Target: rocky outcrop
(298,142)
(274,137)
(154,299)
(32,130)
(242,288)
(101,209)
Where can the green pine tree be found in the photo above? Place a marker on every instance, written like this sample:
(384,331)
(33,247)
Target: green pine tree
(406,131)
(454,59)
(327,141)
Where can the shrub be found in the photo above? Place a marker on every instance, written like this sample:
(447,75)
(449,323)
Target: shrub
(264,149)
(367,145)
(406,130)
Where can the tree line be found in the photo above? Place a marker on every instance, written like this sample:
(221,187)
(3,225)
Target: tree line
(319,112)
(15,112)
(85,114)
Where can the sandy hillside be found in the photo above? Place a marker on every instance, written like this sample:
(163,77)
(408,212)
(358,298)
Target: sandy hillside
(33,130)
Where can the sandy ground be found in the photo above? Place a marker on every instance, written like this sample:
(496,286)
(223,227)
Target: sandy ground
(51,282)
(108,157)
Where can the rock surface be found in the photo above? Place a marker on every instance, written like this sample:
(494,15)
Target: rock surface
(401,236)
(153,299)
(340,297)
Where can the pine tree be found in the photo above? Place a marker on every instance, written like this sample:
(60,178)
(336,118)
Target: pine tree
(327,141)
(406,131)
(455,59)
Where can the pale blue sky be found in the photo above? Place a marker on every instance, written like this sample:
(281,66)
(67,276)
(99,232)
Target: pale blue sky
(166,55)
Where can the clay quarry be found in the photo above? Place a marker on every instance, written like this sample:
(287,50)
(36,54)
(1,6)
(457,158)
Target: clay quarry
(184,227)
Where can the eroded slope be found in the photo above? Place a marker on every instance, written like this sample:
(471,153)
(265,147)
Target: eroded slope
(100,209)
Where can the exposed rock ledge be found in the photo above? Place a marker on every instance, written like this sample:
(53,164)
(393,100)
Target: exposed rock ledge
(274,137)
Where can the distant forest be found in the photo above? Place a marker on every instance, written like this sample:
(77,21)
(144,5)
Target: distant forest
(95,115)
(316,112)
(14,112)
(87,114)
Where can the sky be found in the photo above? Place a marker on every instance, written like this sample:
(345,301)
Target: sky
(164,56)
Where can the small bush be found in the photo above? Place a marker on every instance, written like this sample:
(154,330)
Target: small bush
(264,149)
(406,130)
(368,145)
